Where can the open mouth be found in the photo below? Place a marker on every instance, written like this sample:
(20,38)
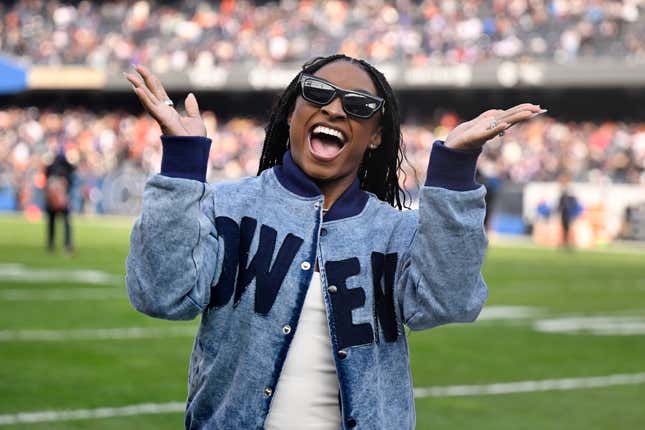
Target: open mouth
(325,142)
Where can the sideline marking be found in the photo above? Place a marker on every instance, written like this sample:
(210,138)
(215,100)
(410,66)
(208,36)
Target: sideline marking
(447,391)
(531,386)
(598,325)
(502,312)
(96,334)
(61,294)
(84,414)
(21,273)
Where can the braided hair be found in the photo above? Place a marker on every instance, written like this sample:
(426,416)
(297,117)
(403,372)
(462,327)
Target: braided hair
(379,170)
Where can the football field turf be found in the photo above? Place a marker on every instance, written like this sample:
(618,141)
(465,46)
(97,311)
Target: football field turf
(569,325)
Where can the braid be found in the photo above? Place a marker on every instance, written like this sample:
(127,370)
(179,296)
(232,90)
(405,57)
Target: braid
(379,170)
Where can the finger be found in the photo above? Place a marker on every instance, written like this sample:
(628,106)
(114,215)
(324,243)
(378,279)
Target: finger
(145,97)
(146,102)
(518,108)
(490,133)
(192,108)
(516,117)
(468,125)
(153,83)
(489,113)
(140,84)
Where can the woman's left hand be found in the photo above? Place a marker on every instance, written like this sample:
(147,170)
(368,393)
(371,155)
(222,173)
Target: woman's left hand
(475,133)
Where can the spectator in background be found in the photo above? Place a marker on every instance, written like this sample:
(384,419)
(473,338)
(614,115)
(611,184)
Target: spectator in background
(569,208)
(173,35)
(490,179)
(103,145)
(57,197)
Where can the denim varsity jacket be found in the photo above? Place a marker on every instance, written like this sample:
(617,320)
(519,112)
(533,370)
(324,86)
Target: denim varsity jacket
(241,254)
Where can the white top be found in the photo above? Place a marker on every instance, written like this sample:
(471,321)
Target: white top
(306,396)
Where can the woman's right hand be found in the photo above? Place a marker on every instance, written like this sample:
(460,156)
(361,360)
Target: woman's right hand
(152,95)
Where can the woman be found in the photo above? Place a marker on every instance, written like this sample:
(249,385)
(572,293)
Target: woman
(319,232)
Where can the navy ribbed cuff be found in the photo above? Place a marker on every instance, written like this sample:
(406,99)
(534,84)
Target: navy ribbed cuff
(453,169)
(185,157)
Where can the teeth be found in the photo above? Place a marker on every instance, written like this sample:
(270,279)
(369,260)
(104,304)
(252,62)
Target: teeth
(330,131)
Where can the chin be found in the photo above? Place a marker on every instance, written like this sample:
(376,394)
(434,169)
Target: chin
(319,171)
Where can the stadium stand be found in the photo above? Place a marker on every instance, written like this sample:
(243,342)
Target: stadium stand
(102,144)
(173,36)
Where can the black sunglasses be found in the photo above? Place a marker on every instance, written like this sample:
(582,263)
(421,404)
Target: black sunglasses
(321,92)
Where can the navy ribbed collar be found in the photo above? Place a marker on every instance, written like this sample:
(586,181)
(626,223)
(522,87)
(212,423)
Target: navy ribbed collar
(291,176)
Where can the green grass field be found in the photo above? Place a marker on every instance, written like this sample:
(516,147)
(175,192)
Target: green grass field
(53,359)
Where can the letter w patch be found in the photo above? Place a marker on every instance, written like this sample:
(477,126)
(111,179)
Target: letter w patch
(267,280)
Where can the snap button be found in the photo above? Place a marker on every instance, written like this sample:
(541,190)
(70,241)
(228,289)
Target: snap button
(351,422)
(286,329)
(323,231)
(317,205)
(268,391)
(332,289)
(342,354)
(305,265)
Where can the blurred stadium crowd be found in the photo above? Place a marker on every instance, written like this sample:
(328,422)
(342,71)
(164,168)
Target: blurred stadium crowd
(101,145)
(171,36)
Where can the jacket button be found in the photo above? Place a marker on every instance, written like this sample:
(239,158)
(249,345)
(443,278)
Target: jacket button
(332,289)
(323,231)
(317,205)
(342,354)
(268,391)
(351,422)
(286,329)
(305,265)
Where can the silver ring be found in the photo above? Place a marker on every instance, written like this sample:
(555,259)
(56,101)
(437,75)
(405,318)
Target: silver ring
(493,124)
(169,102)
(501,133)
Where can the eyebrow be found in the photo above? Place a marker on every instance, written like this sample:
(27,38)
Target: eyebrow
(358,90)
(361,90)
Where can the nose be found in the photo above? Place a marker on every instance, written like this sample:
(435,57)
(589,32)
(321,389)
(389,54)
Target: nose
(334,109)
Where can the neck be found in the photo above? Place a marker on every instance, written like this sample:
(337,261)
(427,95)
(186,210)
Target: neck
(333,189)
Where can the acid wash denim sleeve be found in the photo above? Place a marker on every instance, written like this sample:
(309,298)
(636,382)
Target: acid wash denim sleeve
(440,274)
(173,245)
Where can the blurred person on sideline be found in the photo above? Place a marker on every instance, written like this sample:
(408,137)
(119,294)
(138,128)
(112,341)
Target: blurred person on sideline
(493,185)
(57,199)
(569,208)
(305,275)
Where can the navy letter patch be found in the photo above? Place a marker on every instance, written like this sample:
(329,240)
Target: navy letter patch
(268,280)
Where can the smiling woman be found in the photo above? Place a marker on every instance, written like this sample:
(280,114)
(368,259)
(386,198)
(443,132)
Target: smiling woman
(306,275)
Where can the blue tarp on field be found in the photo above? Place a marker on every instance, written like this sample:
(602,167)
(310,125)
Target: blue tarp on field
(13,78)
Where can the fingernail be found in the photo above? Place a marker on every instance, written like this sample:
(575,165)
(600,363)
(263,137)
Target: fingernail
(543,110)
(133,65)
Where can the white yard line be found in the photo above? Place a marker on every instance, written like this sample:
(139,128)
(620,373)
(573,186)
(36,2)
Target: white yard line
(96,334)
(502,312)
(20,273)
(85,414)
(531,386)
(596,325)
(62,294)
(446,391)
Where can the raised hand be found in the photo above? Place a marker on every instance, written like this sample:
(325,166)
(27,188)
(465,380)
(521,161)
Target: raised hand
(153,97)
(475,133)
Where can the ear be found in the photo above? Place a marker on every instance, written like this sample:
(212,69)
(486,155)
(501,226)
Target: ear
(375,138)
(289,118)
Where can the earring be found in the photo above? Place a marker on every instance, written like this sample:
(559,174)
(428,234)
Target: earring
(373,146)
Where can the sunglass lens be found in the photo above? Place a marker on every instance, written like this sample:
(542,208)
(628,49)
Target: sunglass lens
(317,91)
(358,105)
